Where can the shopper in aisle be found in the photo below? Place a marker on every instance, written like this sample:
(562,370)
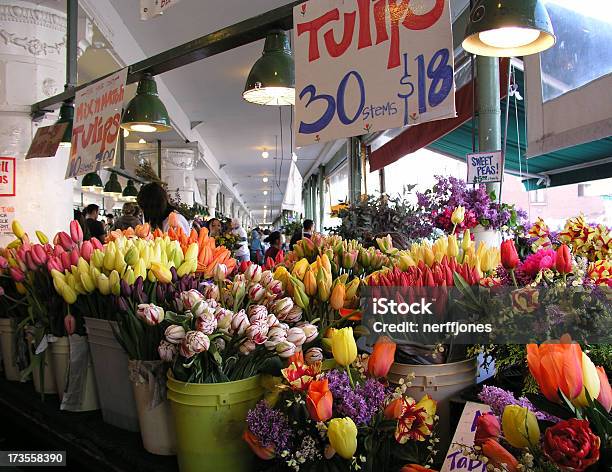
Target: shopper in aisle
(128,218)
(275,245)
(241,249)
(305,232)
(110,222)
(214,227)
(158,210)
(96,228)
(257,249)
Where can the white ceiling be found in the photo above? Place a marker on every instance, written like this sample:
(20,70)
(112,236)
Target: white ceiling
(210,91)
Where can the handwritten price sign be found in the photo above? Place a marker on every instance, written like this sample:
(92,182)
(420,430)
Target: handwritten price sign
(96,126)
(371,65)
(485,167)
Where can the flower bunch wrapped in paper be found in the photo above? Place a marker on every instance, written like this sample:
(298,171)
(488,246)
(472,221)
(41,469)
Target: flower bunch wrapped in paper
(340,413)
(567,427)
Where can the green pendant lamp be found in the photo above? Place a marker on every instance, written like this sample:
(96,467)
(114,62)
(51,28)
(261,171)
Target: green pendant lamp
(92,182)
(272,78)
(66,115)
(130,192)
(508,28)
(146,113)
(112,187)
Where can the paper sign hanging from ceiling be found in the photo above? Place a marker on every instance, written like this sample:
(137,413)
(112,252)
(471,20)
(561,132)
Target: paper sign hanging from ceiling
(46,141)
(152,8)
(371,65)
(96,125)
(485,167)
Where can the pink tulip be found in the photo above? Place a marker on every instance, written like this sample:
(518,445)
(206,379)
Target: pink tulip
(54,264)
(30,261)
(3,263)
(87,250)
(39,253)
(20,255)
(74,257)
(17,274)
(65,258)
(76,232)
(97,244)
(58,250)
(64,240)
(69,324)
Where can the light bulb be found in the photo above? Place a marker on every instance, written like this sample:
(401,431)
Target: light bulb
(265,192)
(142,141)
(126,133)
(509,37)
(265,180)
(265,207)
(265,154)
(143,128)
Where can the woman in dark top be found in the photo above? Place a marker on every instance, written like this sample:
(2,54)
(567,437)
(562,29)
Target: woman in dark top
(95,227)
(157,208)
(275,245)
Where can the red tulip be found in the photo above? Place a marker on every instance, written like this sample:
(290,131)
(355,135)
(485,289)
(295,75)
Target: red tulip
(605,392)
(319,400)
(487,427)
(64,240)
(65,258)
(76,232)
(69,324)
(87,250)
(265,453)
(382,357)
(564,260)
(498,455)
(509,257)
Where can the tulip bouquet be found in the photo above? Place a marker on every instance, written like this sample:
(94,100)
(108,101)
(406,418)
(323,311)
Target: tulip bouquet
(340,414)
(571,429)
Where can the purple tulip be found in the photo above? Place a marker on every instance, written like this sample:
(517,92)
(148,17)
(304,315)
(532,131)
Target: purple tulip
(174,274)
(126,289)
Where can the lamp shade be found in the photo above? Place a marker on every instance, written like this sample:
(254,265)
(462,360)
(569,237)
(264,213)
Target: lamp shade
(66,115)
(92,182)
(146,113)
(508,28)
(112,187)
(272,77)
(130,192)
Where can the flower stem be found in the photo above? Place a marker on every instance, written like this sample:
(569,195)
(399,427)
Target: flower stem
(348,371)
(513,278)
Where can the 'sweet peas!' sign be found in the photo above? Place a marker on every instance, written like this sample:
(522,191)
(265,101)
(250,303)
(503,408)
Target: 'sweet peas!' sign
(485,167)
(371,65)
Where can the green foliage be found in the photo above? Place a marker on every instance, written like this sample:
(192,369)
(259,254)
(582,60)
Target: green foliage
(600,354)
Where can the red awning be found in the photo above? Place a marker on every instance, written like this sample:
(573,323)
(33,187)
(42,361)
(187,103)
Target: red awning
(419,136)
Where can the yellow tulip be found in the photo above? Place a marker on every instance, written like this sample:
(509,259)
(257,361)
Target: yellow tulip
(466,242)
(488,259)
(82,266)
(299,269)
(281,273)
(344,348)
(428,256)
(337,297)
(406,261)
(590,382)
(161,273)
(42,237)
(310,283)
(68,294)
(103,285)
(458,215)
(129,276)
(440,247)
(179,258)
(115,283)
(520,426)
(132,256)
(87,282)
(342,435)
(70,280)
(120,264)
(17,229)
(97,259)
(141,269)
(192,251)
(109,258)
(453,246)
(14,244)
(323,285)
(352,288)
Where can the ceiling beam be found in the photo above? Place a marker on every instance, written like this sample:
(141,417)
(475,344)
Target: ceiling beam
(226,39)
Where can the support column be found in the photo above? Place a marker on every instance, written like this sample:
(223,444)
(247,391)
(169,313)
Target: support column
(213,192)
(489,109)
(32,68)
(355,175)
(177,170)
(228,207)
(321,201)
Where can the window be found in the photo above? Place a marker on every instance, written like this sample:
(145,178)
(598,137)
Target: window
(582,52)
(537,196)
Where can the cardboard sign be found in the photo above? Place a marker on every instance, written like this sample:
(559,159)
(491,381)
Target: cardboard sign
(96,126)
(485,167)
(8,176)
(456,460)
(7,215)
(364,66)
(46,141)
(152,8)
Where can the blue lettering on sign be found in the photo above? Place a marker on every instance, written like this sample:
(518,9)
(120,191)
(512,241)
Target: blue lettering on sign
(374,111)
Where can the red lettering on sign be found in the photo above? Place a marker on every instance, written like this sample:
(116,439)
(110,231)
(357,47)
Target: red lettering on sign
(337,49)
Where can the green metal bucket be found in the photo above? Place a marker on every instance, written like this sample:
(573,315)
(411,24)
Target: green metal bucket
(210,420)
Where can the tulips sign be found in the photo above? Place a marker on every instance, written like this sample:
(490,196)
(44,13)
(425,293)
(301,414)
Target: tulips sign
(96,125)
(404,76)
(8,176)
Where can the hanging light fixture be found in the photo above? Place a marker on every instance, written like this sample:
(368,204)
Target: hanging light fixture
(507,28)
(130,192)
(66,115)
(92,182)
(146,113)
(112,187)
(272,78)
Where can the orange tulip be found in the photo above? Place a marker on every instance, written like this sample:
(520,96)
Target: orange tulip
(556,366)
(394,409)
(337,297)
(382,357)
(265,453)
(416,468)
(605,392)
(498,455)
(319,400)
